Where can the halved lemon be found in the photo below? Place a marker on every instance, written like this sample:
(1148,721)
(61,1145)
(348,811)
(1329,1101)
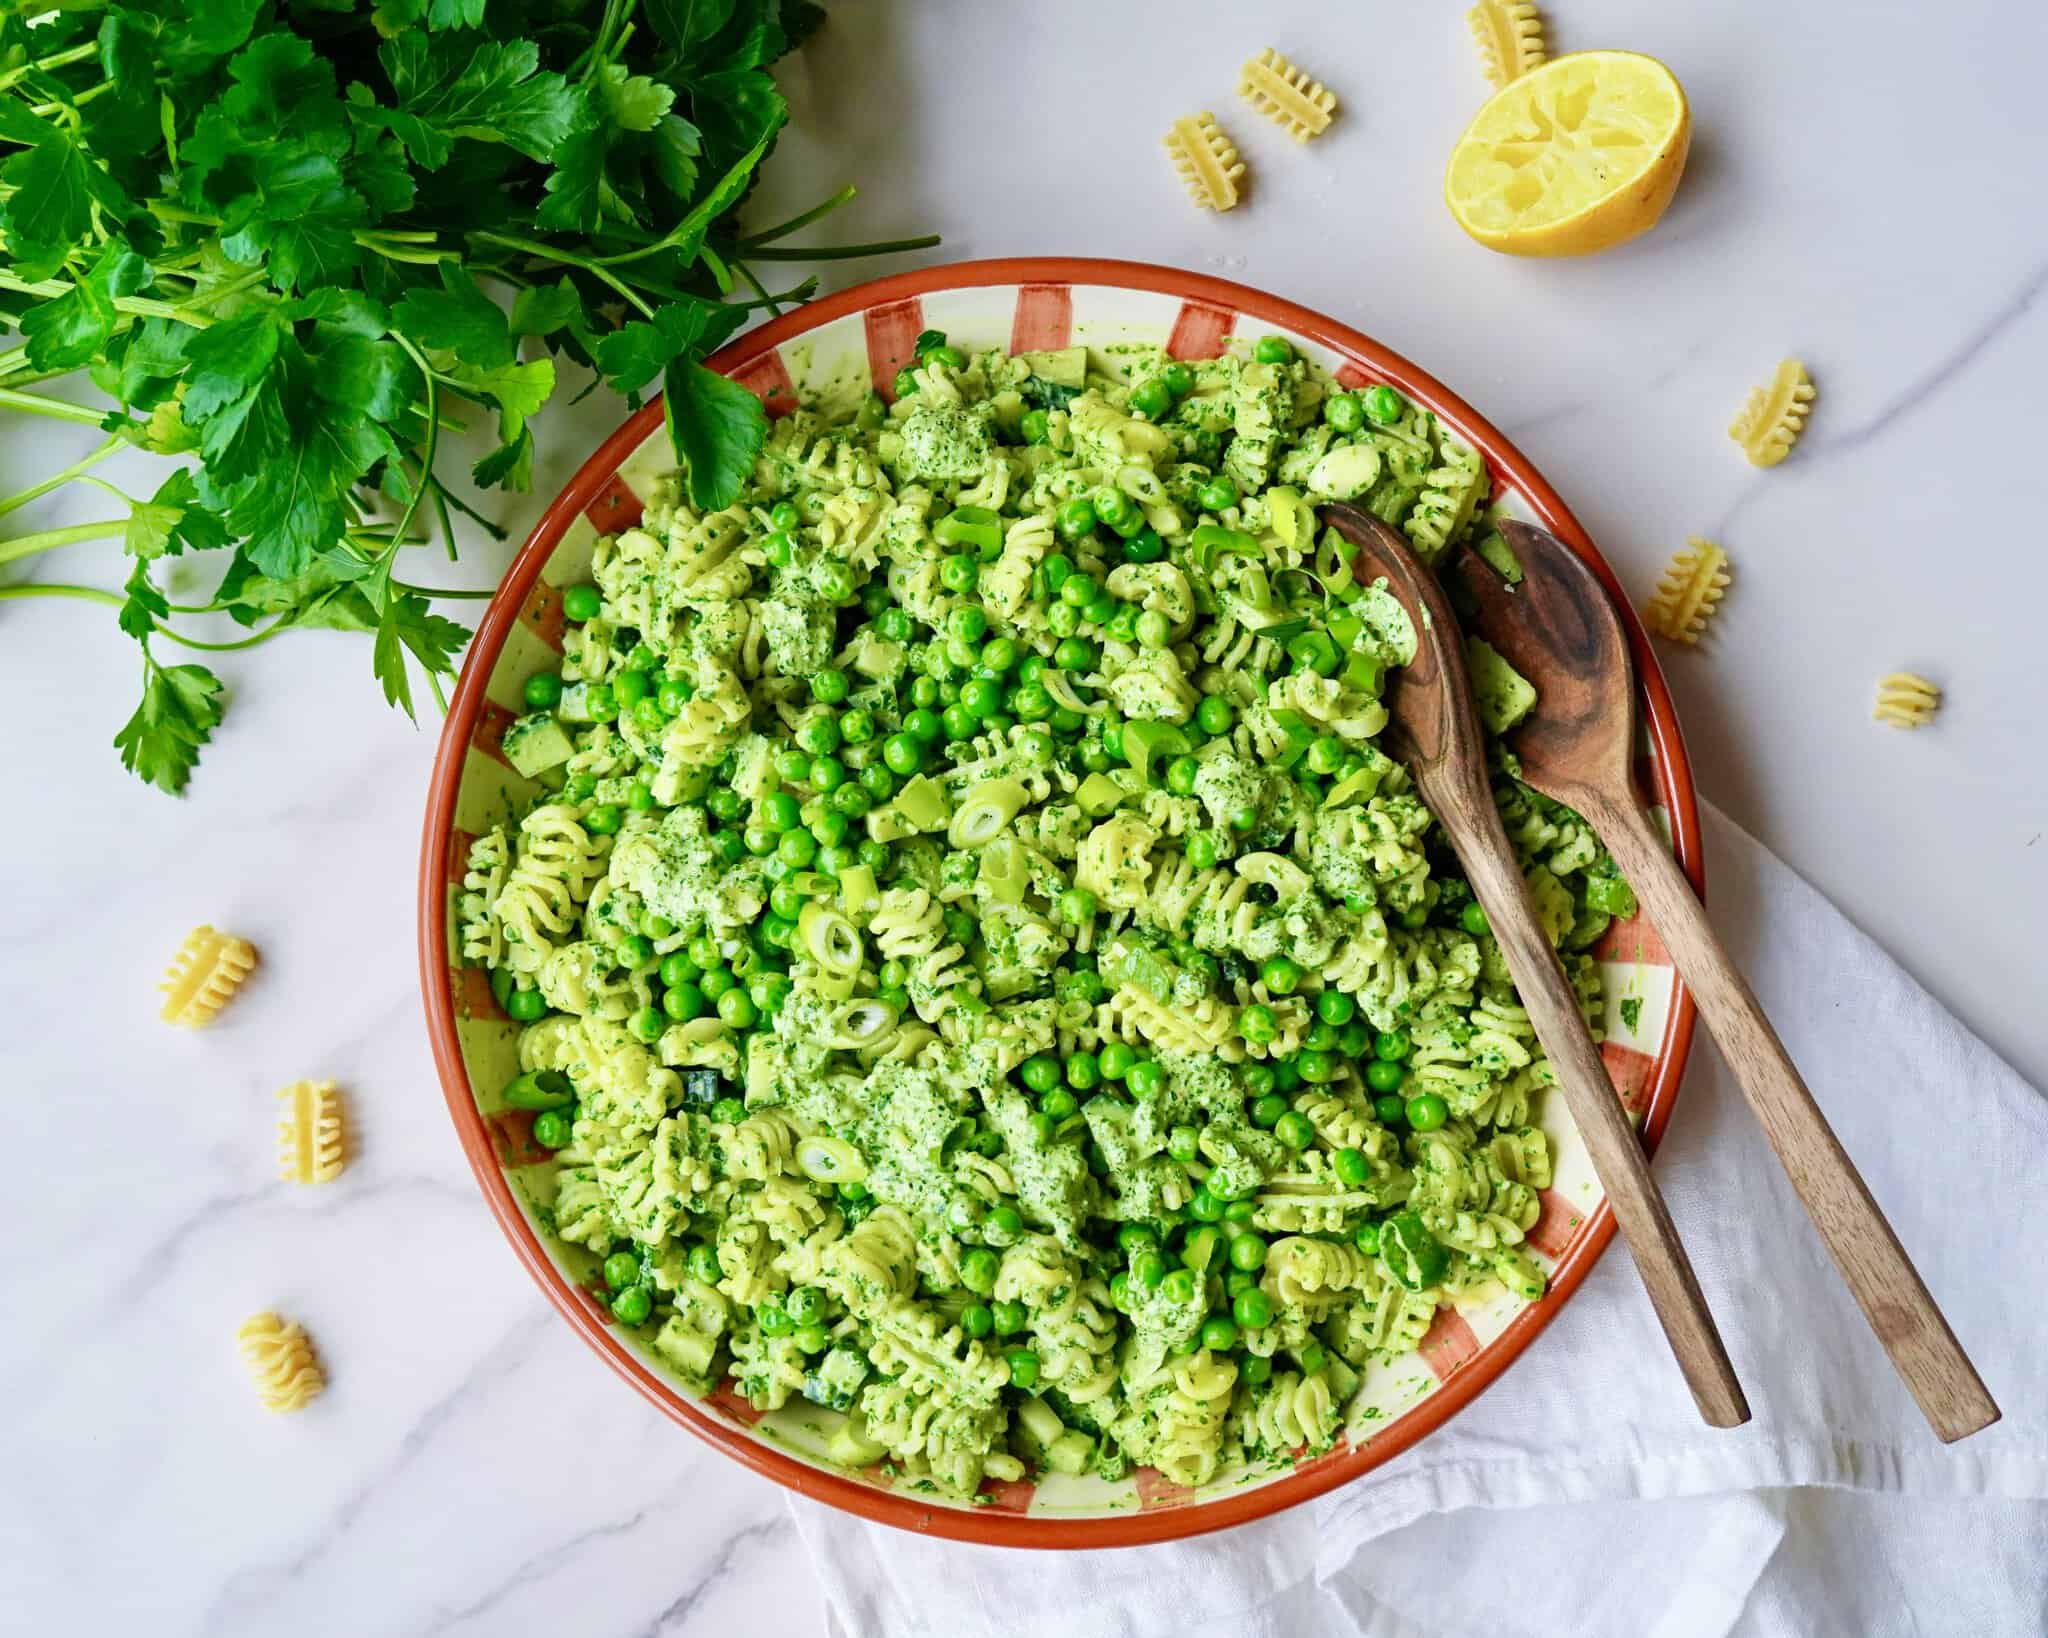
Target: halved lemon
(1579,155)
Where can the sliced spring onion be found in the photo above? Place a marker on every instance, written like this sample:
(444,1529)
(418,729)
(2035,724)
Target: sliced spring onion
(1213,540)
(1144,741)
(1365,673)
(1300,736)
(861,1023)
(1099,794)
(830,1160)
(1004,870)
(831,940)
(984,811)
(922,802)
(974,526)
(1315,650)
(858,895)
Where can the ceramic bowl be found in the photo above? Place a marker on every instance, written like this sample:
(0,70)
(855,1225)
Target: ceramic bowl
(869,332)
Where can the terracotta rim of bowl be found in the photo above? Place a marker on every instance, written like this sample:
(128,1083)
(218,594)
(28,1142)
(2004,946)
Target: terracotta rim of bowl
(893,1507)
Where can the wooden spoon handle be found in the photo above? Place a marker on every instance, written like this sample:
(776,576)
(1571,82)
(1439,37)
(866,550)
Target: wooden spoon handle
(1872,1263)
(1616,1151)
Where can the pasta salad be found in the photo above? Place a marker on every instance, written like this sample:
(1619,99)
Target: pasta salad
(976,969)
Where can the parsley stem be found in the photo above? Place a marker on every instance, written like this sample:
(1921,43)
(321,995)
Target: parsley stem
(782,230)
(42,109)
(44,588)
(433,437)
(760,289)
(842,253)
(567,259)
(56,60)
(442,591)
(281,624)
(58,479)
(50,539)
(55,408)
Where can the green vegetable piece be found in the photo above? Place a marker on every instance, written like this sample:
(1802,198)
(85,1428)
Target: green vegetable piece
(1503,695)
(535,743)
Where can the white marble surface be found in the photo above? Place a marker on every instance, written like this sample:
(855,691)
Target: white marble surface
(1852,198)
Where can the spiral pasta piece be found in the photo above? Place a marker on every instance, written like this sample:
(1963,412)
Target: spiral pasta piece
(312,1137)
(281,1360)
(204,975)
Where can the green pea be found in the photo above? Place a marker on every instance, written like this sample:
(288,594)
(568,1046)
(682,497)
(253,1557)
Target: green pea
(903,754)
(1075,654)
(1258,1079)
(924,726)
(1201,847)
(1325,756)
(1063,619)
(640,796)
(1037,426)
(1151,399)
(716,982)
(1180,779)
(796,848)
(1294,1130)
(780,812)
(1219,494)
(703,1261)
(1059,1103)
(672,695)
(678,968)
(1076,519)
(1040,1074)
(621,1269)
(1023,1368)
(1010,1317)
(1280,975)
(1383,1075)
(1031,702)
(544,690)
(1253,1309)
(1390,1110)
(829,828)
(1257,1024)
(728,1111)
(1179,379)
(1145,546)
(553,1128)
(582,602)
(683,1002)
(1351,1167)
(1204,1207)
(1078,589)
(857,727)
(632,1306)
(1006,1220)
(1148,1268)
(1116,1060)
(1115,508)
(1273,350)
(1219,1335)
(1383,405)
(1285,1076)
(647,1024)
(977,1319)
(1335,1007)
(827,774)
(1255,1370)
(648,715)
(1354,1040)
(1215,715)
(634,950)
(906,382)
(779,549)
(604,819)
(1179,1286)
(736,1010)
(875,855)
(1473,920)
(1427,1112)
(1344,412)
(978,1271)
(1266,1111)
(784,515)
(1147,1079)
(958,573)
(1316,1067)
(1367,1238)
(1076,904)
(1083,1071)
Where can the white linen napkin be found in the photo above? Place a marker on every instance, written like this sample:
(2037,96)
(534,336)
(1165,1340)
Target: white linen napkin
(1581,1492)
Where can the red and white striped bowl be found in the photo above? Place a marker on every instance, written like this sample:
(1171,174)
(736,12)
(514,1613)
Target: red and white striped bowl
(867,333)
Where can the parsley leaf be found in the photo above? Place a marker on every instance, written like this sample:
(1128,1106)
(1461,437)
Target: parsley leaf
(634,102)
(180,709)
(494,95)
(67,331)
(460,318)
(634,354)
(715,425)
(173,520)
(49,210)
(408,626)
(542,309)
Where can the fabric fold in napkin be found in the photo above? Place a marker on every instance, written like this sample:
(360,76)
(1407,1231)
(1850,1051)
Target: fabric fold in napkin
(1581,1492)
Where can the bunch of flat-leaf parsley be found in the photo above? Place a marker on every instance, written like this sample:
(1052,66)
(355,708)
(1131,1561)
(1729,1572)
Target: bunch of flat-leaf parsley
(295,242)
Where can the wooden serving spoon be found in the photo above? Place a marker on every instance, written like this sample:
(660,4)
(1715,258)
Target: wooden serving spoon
(1433,728)
(1559,629)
